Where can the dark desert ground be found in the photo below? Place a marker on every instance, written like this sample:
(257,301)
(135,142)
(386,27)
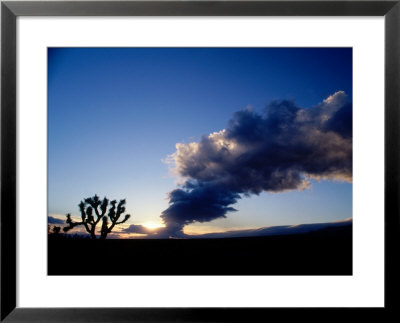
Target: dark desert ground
(326,251)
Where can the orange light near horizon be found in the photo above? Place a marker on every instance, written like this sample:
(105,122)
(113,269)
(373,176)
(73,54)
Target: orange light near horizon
(152,225)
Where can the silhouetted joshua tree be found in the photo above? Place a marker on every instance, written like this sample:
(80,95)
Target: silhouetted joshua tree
(100,208)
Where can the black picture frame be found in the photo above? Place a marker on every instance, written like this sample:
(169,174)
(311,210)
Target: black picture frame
(10,10)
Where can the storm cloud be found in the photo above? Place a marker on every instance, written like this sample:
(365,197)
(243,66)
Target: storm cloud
(278,150)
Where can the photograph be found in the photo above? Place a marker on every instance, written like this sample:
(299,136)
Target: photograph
(200,161)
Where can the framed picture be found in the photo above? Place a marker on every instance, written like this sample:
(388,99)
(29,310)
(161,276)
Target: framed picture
(210,160)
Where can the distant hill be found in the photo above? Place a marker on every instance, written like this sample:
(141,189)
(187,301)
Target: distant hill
(274,230)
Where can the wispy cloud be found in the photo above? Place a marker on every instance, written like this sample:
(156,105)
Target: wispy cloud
(54,220)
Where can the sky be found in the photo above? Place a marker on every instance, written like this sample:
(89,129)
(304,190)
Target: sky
(169,128)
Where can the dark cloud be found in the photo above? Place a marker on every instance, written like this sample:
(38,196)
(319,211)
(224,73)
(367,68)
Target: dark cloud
(53,220)
(342,121)
(279,150)
(198,201)
(153,233)
(137,228)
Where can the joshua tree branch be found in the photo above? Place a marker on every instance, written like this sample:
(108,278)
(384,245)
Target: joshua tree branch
(114,213)
(116,223)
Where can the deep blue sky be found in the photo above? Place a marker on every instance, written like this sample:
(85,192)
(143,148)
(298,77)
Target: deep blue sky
(115,113)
